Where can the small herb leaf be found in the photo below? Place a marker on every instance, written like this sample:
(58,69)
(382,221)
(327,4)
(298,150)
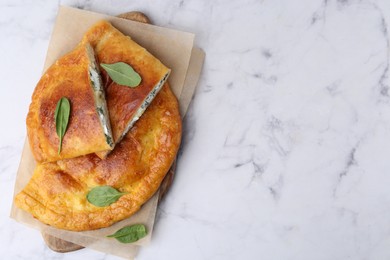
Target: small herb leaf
(122,74)
(61,117)
(130,234)
(103,196)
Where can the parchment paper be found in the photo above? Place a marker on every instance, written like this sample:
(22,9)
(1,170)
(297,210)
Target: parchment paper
(175,50)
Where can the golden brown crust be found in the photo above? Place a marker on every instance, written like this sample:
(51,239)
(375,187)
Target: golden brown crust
(56,194)
(112,46)
(68,77)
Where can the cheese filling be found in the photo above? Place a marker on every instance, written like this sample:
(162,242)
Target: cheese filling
(144,105)
(100,99)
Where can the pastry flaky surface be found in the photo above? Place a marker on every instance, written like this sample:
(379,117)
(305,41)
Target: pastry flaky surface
(112,46)
(56,193)
(67,77)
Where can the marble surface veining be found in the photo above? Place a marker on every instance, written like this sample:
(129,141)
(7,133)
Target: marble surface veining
(286,151)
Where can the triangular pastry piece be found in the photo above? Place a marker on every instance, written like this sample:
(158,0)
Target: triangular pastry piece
(76,77)
(125,104)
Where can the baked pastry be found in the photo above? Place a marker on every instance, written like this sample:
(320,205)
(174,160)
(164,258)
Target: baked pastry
(56,193)
(125,104)
(76,77)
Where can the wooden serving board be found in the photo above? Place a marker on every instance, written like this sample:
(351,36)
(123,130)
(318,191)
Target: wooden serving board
(63,246)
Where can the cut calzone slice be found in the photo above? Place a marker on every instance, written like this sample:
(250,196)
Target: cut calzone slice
(76,77)
(125,104)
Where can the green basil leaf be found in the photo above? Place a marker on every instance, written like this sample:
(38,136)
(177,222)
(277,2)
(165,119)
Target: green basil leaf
(130,234)
(122,74)
(61,117)
(103,196)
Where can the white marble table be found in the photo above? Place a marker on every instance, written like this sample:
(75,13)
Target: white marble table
(286,152)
